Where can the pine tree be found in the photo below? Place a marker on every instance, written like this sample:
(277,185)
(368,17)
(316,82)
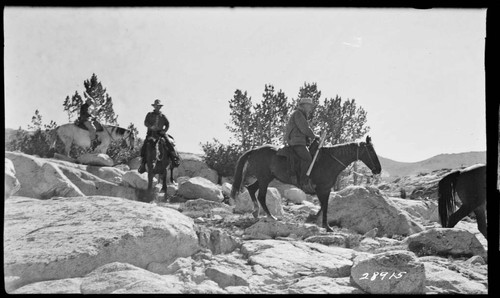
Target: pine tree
(103,103)
(242,123)
(271,116)
(72,105)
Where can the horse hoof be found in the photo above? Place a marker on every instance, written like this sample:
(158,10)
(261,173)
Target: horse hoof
(328,229)
(255,214)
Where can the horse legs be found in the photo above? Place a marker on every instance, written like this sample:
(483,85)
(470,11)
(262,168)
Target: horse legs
(323,197)
(251,190)
(262,199)
(458,215)
(172,175)
(481,219)
(164,181)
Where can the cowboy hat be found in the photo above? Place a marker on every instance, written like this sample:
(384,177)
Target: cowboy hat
(157,103)
(306,100)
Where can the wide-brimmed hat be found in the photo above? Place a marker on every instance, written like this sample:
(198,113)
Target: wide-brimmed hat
(306,100)
(157,103)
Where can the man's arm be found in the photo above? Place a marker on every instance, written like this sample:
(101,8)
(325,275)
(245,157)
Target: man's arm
(148,122)
(303,126)
(167,124)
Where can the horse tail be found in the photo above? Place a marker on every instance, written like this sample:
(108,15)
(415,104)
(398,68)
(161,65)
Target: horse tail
(239,173)
(446,200)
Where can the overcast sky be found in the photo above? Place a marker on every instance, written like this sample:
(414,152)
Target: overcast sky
(419,74)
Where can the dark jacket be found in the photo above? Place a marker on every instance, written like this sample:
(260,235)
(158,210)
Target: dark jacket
(84,112)
(297,129)
(156,122)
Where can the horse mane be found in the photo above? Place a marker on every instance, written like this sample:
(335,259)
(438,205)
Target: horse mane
(344,148)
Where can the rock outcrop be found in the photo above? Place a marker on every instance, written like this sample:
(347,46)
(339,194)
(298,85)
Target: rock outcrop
(192,165)
(364,208)
(395,272)
(420,210)
(41,179)
(70,237)
(445,241)
(11,184)
(95,159)
(134,179)
(292,259)
(199,188)
(45,178)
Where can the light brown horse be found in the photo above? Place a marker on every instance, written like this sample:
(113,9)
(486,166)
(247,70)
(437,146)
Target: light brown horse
(72,134)
(264,164)
(470,186)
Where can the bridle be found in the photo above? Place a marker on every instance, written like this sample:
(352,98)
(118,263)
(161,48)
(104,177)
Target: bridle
(357,158)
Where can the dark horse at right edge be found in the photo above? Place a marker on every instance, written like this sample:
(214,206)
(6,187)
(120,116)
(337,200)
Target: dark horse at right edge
(265,165)
(470,186)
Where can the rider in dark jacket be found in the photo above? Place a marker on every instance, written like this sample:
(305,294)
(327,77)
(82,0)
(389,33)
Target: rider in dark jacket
(296,134)
(157,125)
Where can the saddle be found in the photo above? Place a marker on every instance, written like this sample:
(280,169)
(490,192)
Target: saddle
(293,160)
(81,124)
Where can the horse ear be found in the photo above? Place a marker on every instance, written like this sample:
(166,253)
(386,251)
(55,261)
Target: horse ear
(368,139)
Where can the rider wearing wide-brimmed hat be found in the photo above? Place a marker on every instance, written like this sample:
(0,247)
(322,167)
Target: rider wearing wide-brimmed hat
(157,125)
(86,118)
(296,134)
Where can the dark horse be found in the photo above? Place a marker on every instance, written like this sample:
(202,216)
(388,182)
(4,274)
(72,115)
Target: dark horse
(266,165)
(470,186)
(159,160)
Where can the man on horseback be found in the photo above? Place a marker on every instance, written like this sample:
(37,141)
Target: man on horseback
(86,118)
(157,125)
(297,134)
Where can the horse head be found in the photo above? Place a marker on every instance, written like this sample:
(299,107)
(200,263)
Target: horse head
(368,155)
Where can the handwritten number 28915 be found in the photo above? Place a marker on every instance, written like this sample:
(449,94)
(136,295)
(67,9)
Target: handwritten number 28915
(382,275)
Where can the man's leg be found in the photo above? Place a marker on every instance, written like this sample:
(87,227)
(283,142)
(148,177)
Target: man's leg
(305,162)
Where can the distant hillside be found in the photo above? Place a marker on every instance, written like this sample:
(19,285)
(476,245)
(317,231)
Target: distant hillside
(393,169)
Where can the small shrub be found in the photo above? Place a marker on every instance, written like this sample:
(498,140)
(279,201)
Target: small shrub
(220,157)
(33,143)
(121,154)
